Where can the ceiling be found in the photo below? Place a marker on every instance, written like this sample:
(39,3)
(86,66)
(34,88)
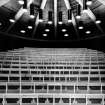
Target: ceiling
(14,21)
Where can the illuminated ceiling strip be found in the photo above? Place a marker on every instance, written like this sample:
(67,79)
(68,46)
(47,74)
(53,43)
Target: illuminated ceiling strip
(67,4)
(43,4)
(89,12)
(21,10)
(3,2)
(55,12)
(102,1)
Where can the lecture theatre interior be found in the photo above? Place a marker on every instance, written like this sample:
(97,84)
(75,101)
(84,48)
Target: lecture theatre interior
(52,52)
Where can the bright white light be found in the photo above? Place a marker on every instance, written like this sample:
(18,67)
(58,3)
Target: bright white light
(21,2)
(40,20)
(64,30)
(12,20)
(98,21)
(45,35)
(66,35)
(80,27)
(32,16)
(60,23)
(47,30)
(85,11)
(89,3)
(69,21)
(23,31)
(78,17)
(25,10)
(88,32)
(50,22)
(29,27)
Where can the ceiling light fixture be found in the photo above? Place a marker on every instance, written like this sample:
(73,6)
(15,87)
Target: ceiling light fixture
(64,30)
(47,30)
(12,20)
(89,2)
(80,27)
(23,31)
(50,22)
(44,35)
(29,27)
(66,35)
(88,32)
(21,2)
(98,21)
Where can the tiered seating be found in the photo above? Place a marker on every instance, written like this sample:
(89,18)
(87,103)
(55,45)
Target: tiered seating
(52,76)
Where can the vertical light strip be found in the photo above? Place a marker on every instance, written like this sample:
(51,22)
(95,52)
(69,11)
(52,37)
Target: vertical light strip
(67,4)
(55,13)
(3,2)
(43,4)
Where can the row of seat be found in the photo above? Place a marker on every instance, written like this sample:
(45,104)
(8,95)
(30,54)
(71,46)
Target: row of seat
(51,89)
(75,101)
(26,78)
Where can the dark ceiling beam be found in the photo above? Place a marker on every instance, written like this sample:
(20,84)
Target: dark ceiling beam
(43,4)
(3,2)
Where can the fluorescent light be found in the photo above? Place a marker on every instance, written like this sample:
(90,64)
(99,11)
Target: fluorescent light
(45,35)
(66,35)
(69,21)
(23,31)
(40,20)
(47,30)
(12,20)
(32,16)
(50,22)
(80,27)
(64,30)
(98,21)
(25,10)
(60,23)
(78,17)
(89,3)
(21,2)
(29,27)
(88,32)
